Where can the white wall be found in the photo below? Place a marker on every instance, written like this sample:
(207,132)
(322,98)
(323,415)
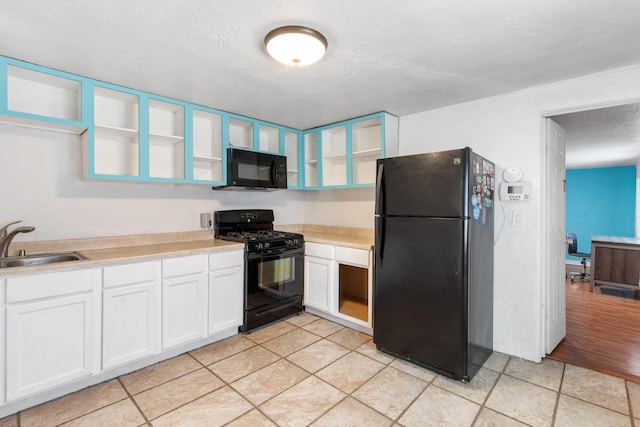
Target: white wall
(41,183)
(508,129)
(346,208)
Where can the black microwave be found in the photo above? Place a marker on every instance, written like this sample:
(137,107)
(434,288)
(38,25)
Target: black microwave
(250,170)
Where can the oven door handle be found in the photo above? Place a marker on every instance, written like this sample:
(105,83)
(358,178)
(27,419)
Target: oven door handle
(295,252)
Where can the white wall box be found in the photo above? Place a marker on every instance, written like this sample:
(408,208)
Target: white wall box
(38,309)
(184,299)
(226,290)
(130,312)
(207,146)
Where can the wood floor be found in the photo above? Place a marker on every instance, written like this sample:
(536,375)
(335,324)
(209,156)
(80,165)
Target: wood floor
(603,331)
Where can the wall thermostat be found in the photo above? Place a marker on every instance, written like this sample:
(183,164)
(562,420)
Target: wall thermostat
(515,191)
(512,174)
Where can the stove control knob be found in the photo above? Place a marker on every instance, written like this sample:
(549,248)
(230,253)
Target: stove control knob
(267,245)
(259,246)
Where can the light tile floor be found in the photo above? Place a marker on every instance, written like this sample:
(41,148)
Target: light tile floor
(309,371)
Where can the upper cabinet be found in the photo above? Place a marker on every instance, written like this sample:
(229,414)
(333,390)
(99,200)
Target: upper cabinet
(207,153)
(39,97)
(130,135)
(113,142)
(343,155)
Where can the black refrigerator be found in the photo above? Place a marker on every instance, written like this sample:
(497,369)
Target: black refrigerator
(433,276)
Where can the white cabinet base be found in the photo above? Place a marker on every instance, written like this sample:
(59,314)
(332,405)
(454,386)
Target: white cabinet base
(36,399)
(347,321)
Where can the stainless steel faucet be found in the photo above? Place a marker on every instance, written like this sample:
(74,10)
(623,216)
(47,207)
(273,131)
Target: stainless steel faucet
(6,237)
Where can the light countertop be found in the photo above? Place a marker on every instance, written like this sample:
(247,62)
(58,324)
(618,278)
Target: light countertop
(119,249)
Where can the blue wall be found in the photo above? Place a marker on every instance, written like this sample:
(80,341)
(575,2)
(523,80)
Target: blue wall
(600,201)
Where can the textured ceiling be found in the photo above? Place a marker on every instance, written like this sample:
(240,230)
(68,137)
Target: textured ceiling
(602,138)
(402,57)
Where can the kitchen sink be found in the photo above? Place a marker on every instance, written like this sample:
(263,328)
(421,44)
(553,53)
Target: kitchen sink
(40,259)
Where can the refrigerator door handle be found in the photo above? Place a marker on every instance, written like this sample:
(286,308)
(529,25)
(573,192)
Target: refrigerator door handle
(379,249)
(379,191)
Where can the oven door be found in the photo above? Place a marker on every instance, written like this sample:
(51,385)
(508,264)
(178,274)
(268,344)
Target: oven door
(273,277)
(256,170)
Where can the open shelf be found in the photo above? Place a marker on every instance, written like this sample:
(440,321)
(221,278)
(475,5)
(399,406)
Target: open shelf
(209,169)
(240,133)
(367,153)
(334,158)
(116,154)
(269,139)
(353,291)
(310,160)
(292,151)
(42,94)
(114,110)
(166,140)
(366,140)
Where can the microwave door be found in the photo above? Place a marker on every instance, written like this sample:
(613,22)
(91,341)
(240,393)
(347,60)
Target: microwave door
(253,171)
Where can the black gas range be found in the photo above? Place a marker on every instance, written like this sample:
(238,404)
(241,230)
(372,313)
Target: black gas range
(274,265)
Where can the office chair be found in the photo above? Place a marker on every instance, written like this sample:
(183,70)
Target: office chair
(572,250)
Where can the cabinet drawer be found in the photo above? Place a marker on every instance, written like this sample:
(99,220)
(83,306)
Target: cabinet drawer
(225,260)
(352,256)
(318,250)
(50,285)
(130,274)
(182,266)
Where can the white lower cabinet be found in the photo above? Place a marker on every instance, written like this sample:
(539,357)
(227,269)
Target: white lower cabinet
(317,283)
(184,300)
(57,329)
(130,312)
(226,290)
(338,282)
(51,330)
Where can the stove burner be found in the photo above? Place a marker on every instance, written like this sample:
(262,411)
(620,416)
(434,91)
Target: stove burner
(258,235)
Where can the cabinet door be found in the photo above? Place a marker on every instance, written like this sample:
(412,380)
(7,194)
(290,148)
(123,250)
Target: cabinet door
(184,308)
(226,295)
(130,319)
(49,342)
(318,283)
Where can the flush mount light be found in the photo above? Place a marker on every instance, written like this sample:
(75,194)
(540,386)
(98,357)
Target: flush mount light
(296,46)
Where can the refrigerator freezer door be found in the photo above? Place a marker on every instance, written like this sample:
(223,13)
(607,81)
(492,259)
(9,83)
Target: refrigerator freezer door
(431,184)
(420,292)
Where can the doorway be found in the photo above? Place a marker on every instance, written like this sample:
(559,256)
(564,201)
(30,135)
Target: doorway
(600,137)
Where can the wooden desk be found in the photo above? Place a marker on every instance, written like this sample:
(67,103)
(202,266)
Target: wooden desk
(615,261)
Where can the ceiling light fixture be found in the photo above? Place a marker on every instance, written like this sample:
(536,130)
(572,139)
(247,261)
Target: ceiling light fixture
(295,45)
